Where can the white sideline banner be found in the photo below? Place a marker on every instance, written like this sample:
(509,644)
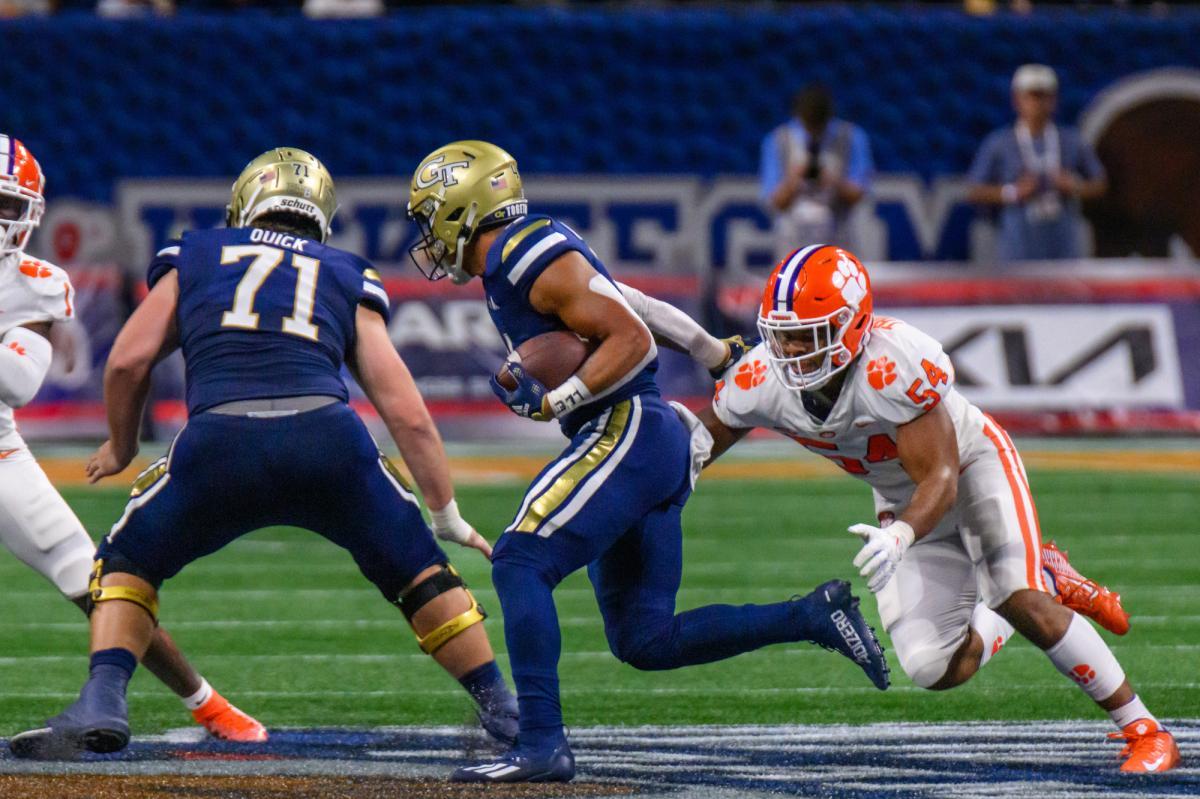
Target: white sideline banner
(1033,357)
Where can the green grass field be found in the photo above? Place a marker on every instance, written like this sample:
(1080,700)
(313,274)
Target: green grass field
(282,623)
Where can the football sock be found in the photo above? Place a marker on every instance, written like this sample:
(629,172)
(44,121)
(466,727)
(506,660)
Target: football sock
(1082,655)
(534,642)
(485,684)
(201,696)
(714,632)
(992,628)
(112,665)
(1130,712)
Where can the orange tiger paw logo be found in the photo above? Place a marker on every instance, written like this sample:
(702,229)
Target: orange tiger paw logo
(750,375)
(881,372)
(1083,674)
(34,269)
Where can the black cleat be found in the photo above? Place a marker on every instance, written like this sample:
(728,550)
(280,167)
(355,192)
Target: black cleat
(557,765)
(843,629)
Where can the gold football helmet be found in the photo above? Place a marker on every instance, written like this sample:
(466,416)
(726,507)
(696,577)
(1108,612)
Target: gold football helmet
(283,180)
(458,190)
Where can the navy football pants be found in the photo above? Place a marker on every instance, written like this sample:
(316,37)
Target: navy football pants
(226,476)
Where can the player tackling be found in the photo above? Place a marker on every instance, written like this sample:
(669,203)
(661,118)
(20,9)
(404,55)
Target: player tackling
(266,314)
(36,524)
(956,519)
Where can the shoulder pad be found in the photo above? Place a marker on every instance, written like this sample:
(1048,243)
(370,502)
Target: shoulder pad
(532,244)
(906,371)
(51,296)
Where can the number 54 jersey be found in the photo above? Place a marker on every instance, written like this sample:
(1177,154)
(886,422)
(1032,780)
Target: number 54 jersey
(901,374)
(264,314)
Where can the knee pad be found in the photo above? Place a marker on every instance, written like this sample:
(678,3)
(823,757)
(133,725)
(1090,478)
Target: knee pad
(106,593)
(926,665)
(421,594)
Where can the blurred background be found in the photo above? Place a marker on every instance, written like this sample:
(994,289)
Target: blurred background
(1023,179)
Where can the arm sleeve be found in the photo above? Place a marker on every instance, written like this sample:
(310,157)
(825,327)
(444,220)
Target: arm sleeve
(373,295)
(163,262)
(770,169)
(861,167)
(24,361)
(984,168)
(668,322)
(1089,165)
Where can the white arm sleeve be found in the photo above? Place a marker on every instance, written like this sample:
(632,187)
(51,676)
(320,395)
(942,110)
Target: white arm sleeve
(24,361)
(672,324)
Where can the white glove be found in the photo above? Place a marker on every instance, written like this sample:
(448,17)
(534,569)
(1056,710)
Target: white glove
(883,547)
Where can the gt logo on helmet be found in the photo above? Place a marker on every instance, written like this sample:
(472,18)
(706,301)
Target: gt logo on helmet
(438,172)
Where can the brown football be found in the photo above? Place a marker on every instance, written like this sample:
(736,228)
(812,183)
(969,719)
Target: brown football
(550,358)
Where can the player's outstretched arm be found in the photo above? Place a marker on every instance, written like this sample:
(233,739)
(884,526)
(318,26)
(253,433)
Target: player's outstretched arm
(390,387)
(147,337)
(928,450)
(676,330)
(723,435)
(25,354)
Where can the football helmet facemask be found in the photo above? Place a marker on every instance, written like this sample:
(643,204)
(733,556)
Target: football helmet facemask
(21,200)
(816,315)
(457,191)
(283,180)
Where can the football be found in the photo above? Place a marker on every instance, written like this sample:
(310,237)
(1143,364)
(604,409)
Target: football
(550,358)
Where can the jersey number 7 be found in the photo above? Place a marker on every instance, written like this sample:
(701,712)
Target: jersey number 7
(266,258)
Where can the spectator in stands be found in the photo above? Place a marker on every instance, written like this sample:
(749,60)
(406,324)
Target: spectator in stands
(1036,173)
(814,169)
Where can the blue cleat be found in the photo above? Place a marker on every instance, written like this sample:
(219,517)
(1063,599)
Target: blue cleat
(500,719)
(96,722)
(843,629)
(557,765)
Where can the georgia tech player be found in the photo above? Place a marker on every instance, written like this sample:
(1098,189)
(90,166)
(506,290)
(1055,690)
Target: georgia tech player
(612,501)
(36,524)
(266,314)
(957,519)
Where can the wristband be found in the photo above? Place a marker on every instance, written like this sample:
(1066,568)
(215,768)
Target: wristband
(1008,193)
(567,397)
(448,523)
(903,531)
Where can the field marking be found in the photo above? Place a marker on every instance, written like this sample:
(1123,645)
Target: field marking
(898,760)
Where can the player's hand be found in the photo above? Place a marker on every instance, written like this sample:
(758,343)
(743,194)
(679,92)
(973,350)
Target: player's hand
(449,525)
(107,461)
(528,399)
(883,547)
(735,347)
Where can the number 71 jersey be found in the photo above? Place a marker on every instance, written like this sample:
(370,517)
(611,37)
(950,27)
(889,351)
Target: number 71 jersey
(264,314)
(901,374)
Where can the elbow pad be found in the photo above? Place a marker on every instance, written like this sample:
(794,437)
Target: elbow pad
(24,361)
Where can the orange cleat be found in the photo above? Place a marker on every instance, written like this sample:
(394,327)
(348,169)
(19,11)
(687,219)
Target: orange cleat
(1149,749)
(1082,595)
(224,721)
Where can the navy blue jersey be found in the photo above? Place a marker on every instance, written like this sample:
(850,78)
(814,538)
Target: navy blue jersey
(264,314)
(515,261)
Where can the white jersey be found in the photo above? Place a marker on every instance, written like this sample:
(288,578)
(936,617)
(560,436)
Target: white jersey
(901,374)
(31,290)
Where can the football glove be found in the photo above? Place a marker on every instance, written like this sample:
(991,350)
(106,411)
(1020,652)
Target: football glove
(883,547)
(738,346)
(527,398)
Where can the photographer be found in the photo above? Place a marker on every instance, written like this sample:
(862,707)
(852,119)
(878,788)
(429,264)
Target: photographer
(814,169)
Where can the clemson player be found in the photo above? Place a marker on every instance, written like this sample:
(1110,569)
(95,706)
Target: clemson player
(36,524)
(957,522)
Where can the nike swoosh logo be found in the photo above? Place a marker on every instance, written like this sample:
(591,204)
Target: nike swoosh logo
(7,452)
(1154,764)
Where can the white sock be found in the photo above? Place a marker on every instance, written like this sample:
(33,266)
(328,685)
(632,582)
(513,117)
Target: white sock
(992,628)
(1082,655)
(201,696)
(1130,712)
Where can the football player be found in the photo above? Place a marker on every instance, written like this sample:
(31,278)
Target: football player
(956,521)
(36,524)
(266,314)
(612,501)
